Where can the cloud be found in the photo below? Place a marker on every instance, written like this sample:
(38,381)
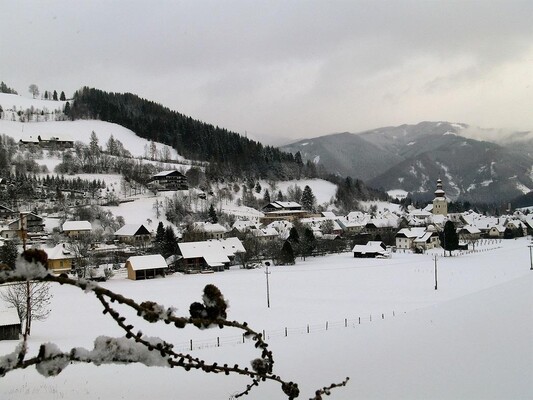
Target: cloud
(283,70)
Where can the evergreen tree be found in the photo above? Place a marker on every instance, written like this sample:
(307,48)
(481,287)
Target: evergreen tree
(280,196)
(449,238)
(286,255)
(266,197)
(307,243)
(54,96)
(62,96)
(94,149)
(9,254)
(170,244)
(46,94)
(258,188)
(212,214)
(160,236)
(66,110)
(308,199)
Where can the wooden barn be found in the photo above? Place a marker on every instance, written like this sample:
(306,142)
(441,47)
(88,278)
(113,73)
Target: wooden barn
(10,326)
(146,267)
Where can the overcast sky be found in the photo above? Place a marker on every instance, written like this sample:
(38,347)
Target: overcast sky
(285,70)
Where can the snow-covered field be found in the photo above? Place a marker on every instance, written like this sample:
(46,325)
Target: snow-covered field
(470,339)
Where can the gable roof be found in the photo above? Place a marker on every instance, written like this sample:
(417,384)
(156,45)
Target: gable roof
(370,247)
(9,316)
(59,252)
(153,261)
(132,230)
(76,226)
(213,252)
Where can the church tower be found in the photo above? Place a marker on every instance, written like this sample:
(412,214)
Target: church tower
(440,204)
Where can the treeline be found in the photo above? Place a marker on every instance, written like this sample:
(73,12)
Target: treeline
(6,89)
(233,154)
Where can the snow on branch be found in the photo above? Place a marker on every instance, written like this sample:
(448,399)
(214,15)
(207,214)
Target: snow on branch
(135,347)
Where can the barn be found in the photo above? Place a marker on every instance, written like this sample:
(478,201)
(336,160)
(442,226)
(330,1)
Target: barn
(10,326)
(372,249)
(146,267)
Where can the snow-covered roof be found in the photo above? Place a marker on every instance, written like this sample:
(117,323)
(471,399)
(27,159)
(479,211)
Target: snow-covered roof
(165,173)
(9,316)
(370,247)
(412,233)
(424,238)
(243,225)
(153,261)
(209,227)
(329,214)
(213,252)
(59,252)
(231,245)
(128,230)
(76,226)
(471,229)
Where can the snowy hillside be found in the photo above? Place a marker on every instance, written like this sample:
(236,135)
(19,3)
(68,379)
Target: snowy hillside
(15,102)
(80,130)
(470,339)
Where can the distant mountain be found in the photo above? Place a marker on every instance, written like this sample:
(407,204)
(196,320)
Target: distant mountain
(345,154)
(413,157)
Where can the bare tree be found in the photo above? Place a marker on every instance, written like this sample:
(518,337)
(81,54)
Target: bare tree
(34,90)
(30,295)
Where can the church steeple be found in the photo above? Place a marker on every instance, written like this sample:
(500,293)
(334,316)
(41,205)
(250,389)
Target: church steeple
(440,204)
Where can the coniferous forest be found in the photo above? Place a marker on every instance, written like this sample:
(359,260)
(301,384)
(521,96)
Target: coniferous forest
(230,154)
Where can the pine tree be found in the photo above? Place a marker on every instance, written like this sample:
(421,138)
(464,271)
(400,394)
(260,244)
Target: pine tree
(286,255)
(66,110)
(258,187)
(266,197)
(170,244)
(9,254)
(212,214)
(62,96)
(449,238)
(54,96)
(46,94)
(308,199)
(280,196)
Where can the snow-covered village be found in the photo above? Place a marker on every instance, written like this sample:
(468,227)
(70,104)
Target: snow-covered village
(200,224)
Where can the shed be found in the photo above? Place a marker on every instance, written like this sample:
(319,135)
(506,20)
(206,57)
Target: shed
(10,326)
(146,267)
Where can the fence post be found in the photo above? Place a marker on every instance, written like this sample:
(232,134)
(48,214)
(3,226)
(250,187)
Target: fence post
(382,316)
(264,336)
(359,320)
(285,331)
(370,317)
(345,322)
(307,328)
(218,341)
(243,338)
(326,325)
(191,344)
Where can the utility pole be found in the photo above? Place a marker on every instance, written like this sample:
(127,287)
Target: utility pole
(268,289)
(435,259)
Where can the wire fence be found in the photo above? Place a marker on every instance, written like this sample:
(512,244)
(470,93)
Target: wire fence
(219,341)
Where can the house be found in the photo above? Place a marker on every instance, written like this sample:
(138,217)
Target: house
(265,234)
(469,232)
(429,240)
(27,226)
(10,325)
(134,234)
(232,247)
(282,206)
(372,249)
(496,232)
(74,229)
(282,210)
(146,267)
(203,256)
(168,180)
(49,140)
(350,226)
(59,258)
(7,213)
(211,231)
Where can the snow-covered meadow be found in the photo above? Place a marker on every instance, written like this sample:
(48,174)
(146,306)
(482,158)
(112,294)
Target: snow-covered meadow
(470,339)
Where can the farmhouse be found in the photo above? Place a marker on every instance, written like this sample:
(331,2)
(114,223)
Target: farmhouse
(146,267)
(59,258)
(74,229)
(169,180)
(210,231)
(10,326)
(134,234)
(203,256)
(372,249)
